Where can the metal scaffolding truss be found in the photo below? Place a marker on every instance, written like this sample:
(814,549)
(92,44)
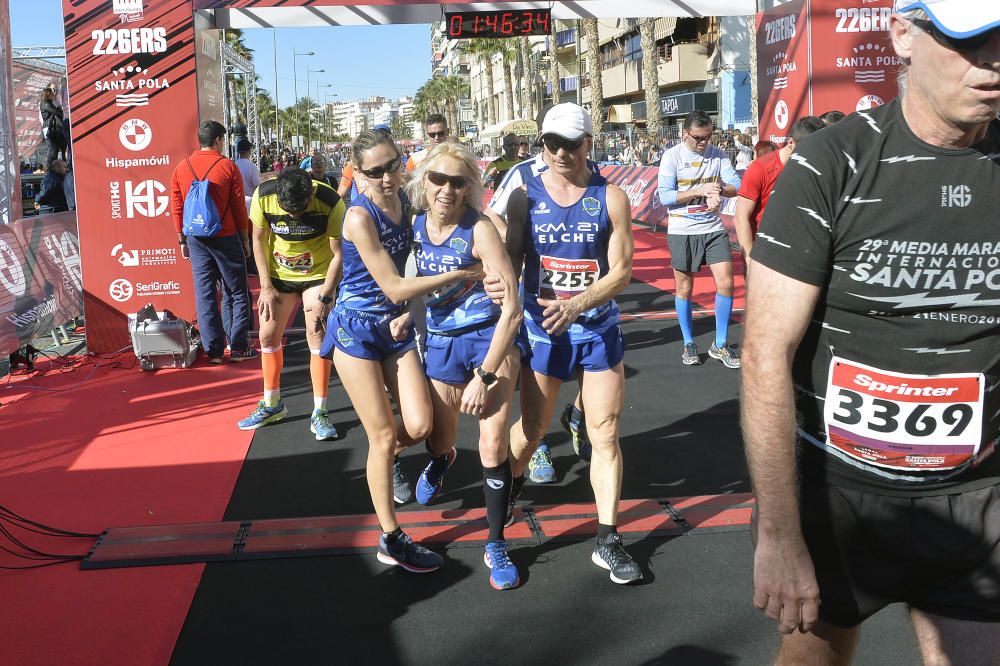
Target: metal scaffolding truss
(42,52)
(233,64)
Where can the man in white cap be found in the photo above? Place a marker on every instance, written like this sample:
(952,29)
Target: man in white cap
(571,233)
(871,359)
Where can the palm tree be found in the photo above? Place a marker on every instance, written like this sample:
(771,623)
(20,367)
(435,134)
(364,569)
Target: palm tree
(483,49)
(590,28)
(554,67)
(650,77)
(454,88)
(528,84)
(506,48)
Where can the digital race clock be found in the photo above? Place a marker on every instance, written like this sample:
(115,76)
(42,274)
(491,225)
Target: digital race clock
(466,25)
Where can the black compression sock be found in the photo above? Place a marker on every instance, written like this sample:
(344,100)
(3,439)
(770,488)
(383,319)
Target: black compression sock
(497,488)
(604,531)
(391,537)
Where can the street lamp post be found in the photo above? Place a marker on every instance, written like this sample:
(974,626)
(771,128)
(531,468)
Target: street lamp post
(309,109)
(295,84)
(326,117)
(323,131)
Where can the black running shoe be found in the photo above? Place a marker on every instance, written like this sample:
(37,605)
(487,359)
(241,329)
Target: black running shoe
(509,520)
(401,490)
(610,554)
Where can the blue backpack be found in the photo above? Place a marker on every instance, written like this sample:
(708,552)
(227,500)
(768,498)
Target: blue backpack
(201,216)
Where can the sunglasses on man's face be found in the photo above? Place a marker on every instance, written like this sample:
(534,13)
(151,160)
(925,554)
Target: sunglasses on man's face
(379,171)
(436,135)
(700,139)
(439,179)
(966,45)
(555,143)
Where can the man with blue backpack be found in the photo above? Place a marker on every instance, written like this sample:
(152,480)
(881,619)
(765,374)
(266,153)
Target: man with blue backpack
(210,217)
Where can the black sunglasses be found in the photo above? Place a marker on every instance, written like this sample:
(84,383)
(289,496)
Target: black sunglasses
(966,45)
(555,143)
(388,167)
(437,135)
(439,179)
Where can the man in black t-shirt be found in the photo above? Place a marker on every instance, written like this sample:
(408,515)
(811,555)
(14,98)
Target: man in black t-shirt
(871,360)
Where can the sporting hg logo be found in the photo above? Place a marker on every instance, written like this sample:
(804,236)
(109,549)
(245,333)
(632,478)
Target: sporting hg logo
(955,196)
(145,198)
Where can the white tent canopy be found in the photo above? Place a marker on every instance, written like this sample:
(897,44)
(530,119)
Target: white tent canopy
(519,127)
(339,12)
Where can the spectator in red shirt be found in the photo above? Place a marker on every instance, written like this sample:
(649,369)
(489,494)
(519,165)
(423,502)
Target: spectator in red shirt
(220,258)
(758,183)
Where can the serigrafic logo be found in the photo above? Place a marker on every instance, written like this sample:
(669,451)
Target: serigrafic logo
(135,134)
(955,196)
(121,290)
(147,198)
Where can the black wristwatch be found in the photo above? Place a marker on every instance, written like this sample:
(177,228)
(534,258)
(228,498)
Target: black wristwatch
(326,300)
(487,378)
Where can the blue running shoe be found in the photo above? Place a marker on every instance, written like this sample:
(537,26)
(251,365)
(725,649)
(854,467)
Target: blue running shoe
(406,553)
(431,481)
(540,469)
(320,425)
(577,430)
(263,415)
(503,573)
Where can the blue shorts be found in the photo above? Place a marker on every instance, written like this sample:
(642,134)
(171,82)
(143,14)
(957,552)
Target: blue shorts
(367,338)
(452,360)
(561,360)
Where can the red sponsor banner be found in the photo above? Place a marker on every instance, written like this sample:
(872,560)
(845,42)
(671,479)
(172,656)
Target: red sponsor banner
(40,282)
(132,91)
(782,69)
(854,66)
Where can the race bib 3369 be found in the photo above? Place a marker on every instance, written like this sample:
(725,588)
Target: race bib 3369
(901,421)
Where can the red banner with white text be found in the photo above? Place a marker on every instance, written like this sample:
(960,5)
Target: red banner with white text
(133,95)
(782,69)
(854,66)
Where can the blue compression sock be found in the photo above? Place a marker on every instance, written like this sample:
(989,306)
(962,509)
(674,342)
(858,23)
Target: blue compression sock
(723,308)
(683,307)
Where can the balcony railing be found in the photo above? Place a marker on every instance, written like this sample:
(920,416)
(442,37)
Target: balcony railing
(565,37)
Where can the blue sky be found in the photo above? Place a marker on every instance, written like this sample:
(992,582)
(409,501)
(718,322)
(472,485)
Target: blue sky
(358,61)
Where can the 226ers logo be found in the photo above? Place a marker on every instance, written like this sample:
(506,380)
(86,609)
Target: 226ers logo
(565,278)
(901,421)
(297,263)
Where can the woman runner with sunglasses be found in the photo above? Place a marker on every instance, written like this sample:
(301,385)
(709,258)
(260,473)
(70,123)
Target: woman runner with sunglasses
(372,340)
(470,359)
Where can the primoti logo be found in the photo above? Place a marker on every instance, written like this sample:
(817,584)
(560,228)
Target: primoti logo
(135,134)
(121,290)
(125,41)
(147,198)
(955,196)
(125,257)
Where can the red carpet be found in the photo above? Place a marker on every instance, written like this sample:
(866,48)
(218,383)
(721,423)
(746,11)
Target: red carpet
(123,448)
(652,266)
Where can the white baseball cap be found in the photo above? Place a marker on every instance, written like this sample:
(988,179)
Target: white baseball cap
(568,120)
(960,19)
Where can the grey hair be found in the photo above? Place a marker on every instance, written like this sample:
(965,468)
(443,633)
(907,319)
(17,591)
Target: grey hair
(417,192)
(904,69)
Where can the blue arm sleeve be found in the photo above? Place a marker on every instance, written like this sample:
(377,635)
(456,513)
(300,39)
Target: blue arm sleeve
(729,175)
(666,182)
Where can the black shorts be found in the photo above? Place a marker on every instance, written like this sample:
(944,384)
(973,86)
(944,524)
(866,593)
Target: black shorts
(940,554)
(689,253)
(289,287)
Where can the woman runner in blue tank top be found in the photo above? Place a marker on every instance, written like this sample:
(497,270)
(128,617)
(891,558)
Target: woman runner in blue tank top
(371,337)
(471,359)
